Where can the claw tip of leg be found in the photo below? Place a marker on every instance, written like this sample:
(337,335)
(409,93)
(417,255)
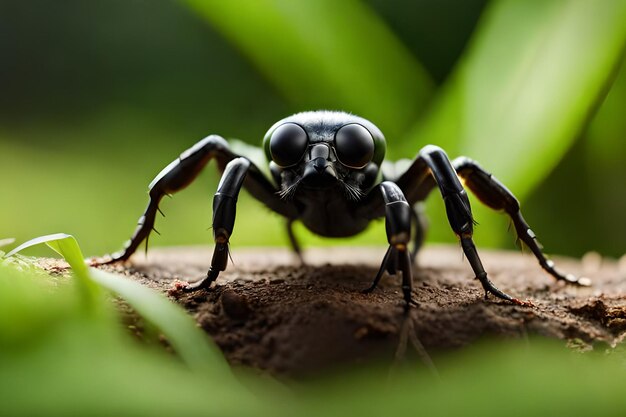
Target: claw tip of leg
(573,279)
(523,303)
(177,287)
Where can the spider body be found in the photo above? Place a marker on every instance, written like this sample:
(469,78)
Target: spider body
(327,171)
(326,192)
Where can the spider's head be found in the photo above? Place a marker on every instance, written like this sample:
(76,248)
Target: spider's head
(323,149)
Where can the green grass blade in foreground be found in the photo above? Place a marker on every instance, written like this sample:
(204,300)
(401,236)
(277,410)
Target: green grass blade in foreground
(66,246)
(327,54)
(57,361)
(527,85)
(181,331)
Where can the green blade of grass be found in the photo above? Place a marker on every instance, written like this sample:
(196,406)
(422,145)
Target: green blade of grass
(63,244)
(530,80)
(326,54)
(180,330)
(57,361)
(66,246)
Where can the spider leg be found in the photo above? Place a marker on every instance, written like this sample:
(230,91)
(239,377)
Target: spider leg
(181,172)
(432,167)
(495,195)
(420,222)
(398,229)
(294,241)
(224,210)
(380,272)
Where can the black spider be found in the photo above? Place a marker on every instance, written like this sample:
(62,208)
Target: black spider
(327,171)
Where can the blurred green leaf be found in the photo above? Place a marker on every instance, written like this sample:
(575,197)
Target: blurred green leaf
(29,305)
(57,361)
(540,378)
(604,153)
(327,54)
(531,78)
(191,343)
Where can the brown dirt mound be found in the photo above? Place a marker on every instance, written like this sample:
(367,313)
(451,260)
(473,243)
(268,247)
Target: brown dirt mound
(268,312)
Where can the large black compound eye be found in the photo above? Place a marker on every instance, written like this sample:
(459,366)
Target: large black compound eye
(287,144)
(354,145)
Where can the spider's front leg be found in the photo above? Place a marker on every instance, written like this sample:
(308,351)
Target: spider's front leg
(398,229)
(224,210)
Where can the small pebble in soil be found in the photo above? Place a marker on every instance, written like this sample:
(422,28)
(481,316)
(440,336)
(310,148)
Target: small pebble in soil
(235,305)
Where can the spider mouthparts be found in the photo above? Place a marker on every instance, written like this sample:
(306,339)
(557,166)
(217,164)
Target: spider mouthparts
(319,174)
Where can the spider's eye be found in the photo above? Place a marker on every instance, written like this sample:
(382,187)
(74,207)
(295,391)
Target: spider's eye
(354,145)
(287,144)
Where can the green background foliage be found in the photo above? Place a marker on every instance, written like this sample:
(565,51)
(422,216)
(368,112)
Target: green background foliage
(98,97)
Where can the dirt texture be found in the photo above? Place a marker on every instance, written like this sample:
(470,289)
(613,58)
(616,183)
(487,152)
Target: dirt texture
(269,312)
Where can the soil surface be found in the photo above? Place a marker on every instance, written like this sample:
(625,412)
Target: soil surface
(270,312)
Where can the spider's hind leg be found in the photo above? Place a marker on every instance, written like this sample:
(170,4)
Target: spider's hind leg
(433,168)
(177,175)
(495,195)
